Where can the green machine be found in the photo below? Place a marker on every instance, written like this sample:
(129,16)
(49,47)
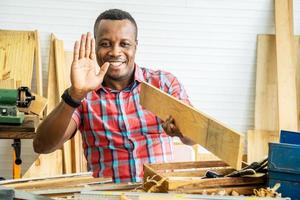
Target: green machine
(10,100)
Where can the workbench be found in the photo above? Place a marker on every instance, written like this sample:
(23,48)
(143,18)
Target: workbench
(26,130)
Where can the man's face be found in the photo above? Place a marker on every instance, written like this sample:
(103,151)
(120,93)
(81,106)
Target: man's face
(116,44)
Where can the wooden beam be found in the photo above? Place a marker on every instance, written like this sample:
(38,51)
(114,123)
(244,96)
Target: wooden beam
(222,141)
(38,64)
(286,71)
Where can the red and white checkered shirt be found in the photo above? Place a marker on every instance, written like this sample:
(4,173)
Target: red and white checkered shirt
(119,136)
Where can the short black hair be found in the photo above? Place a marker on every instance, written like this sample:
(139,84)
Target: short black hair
(115,14)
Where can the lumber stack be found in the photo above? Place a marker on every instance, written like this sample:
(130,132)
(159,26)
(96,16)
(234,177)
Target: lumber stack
(277,83)
(70,159)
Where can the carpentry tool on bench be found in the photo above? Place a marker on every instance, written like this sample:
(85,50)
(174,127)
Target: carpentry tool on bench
(251,169)
(10,100)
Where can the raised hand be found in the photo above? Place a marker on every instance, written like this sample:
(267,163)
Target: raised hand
(86,75)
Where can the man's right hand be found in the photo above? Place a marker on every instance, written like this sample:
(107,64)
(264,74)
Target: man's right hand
(86,75)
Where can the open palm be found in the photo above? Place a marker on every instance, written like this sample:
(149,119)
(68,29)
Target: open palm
(86,75)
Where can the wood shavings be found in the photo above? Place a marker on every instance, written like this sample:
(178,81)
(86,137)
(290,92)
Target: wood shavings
(268,192)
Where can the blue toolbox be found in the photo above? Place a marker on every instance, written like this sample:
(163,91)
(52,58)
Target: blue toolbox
(284,164)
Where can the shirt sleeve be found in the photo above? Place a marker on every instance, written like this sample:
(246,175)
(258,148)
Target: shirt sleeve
(76,117)
(177,90)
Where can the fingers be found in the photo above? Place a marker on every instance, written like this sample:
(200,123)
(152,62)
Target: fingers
(88,45)
(93,53)
(82,46)
(76,51)
(103,70)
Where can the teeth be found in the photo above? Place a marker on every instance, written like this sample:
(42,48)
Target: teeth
(116,64)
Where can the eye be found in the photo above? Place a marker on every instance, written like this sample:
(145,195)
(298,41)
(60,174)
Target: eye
(125,44)
(104,44)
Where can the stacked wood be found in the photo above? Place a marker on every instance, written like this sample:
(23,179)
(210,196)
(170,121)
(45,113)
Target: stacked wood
(277,104)
(71,158)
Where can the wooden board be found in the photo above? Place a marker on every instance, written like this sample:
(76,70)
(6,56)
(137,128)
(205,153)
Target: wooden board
(8,84)
(266,104)
(60,66)
(38,64)
(286,71)
(297,61)
(220,140)
(258,141)
(41,165)
(2,62)
(21,45)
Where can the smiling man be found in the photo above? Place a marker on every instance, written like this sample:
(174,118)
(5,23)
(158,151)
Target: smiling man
(119,136)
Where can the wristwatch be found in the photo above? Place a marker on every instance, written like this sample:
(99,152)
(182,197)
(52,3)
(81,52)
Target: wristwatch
(69,100)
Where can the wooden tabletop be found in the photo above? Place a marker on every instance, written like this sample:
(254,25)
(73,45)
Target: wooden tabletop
(26,130)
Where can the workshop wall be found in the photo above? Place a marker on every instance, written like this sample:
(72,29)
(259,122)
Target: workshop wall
(209,45)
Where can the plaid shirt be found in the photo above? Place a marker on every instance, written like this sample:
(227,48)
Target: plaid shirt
(119,136)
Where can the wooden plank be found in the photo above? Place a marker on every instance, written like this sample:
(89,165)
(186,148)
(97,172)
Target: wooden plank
(52,90)
(41,165)
(38,64)
(286,71)
(21,45)
(187,165)
(258,141)
(54,183)
(266,98)
(8,84)
(2,62)
(61,85)
(215,182)
(297,61)
(222,141)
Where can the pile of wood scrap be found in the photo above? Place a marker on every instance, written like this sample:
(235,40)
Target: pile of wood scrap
(192,178)
(277,101)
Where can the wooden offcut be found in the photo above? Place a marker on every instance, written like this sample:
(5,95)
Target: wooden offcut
(220,140)
(286,70)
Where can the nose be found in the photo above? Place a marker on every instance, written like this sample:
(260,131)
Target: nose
(115,50)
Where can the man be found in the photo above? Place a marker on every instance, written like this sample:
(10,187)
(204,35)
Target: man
(119,136)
